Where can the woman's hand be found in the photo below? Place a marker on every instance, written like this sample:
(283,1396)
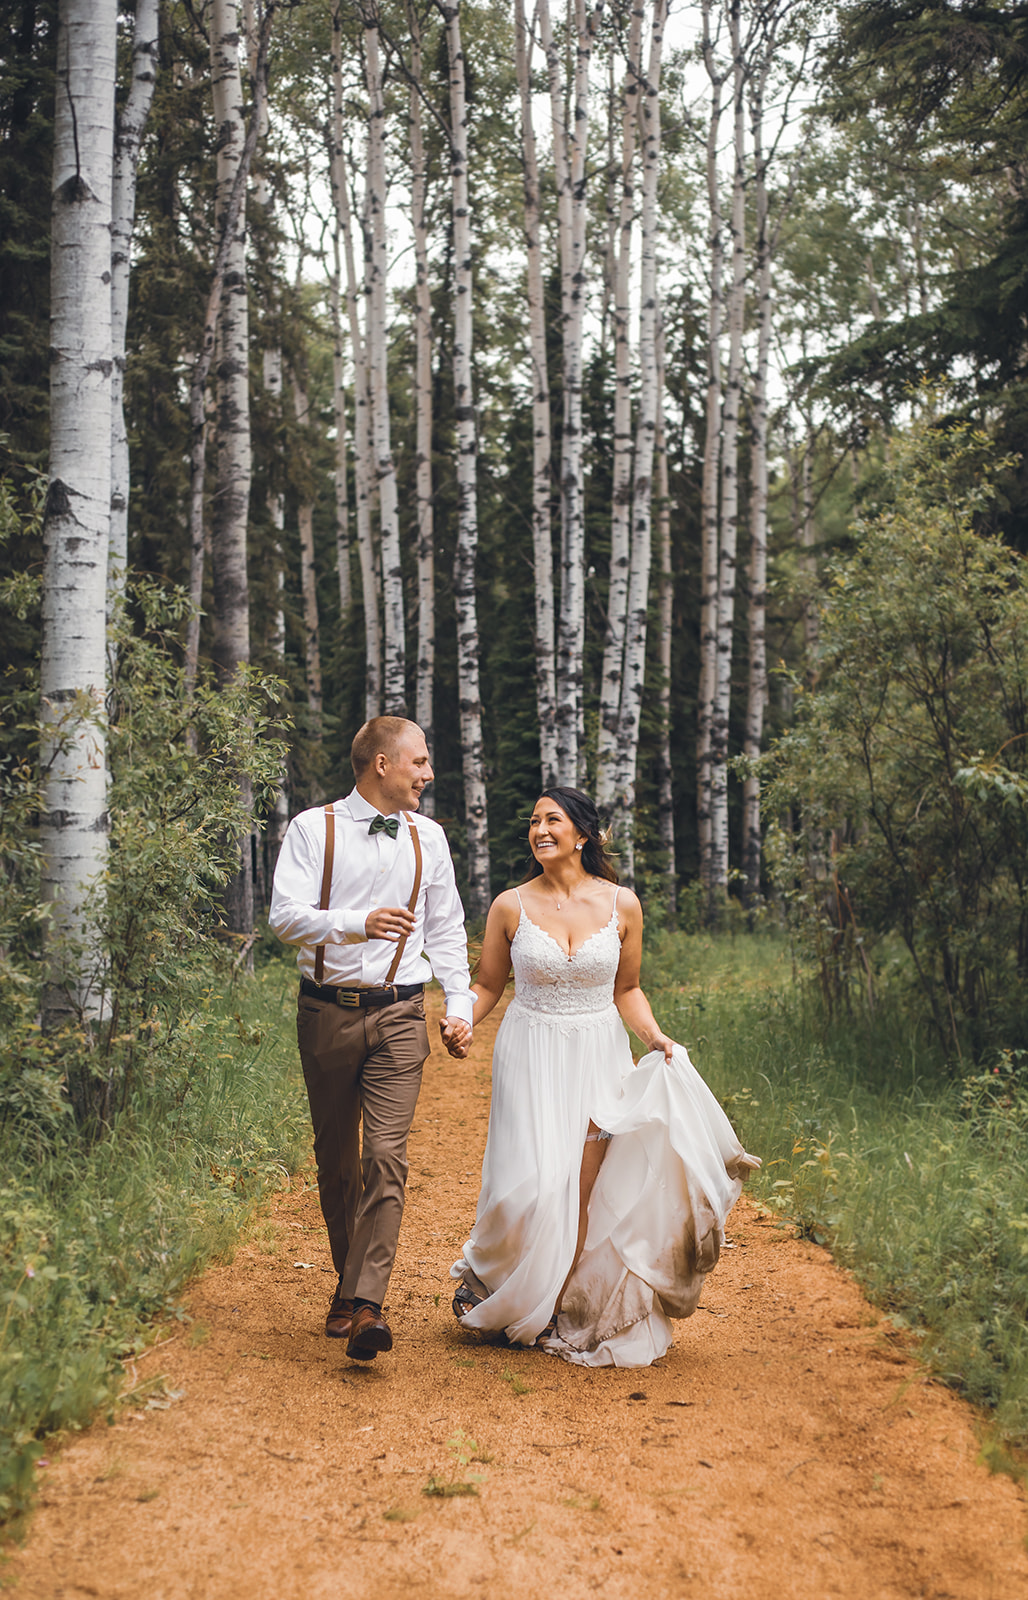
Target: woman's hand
(660,1041)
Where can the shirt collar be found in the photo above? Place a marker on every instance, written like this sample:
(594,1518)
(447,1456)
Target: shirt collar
(362,810)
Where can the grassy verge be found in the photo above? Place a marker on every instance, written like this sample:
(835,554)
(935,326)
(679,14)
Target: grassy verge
(915,1175)
(94,1243)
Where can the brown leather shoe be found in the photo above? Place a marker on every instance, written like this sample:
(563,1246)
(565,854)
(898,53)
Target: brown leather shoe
(369,1333)
(340,1315)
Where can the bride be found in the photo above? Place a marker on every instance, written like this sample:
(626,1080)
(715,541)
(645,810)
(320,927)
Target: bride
(605,1186)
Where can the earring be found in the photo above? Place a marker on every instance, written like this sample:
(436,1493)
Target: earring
(580,846)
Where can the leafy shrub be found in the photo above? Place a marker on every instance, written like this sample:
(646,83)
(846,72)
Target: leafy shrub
(906,771)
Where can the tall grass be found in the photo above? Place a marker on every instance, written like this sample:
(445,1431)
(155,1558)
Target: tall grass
(913,1171)
(94,1242)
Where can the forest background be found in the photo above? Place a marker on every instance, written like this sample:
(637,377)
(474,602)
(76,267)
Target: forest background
(634,395)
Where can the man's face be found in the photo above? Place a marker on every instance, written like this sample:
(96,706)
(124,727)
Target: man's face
(403,775)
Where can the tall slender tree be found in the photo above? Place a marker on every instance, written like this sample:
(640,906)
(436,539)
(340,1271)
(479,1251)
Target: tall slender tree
(469,692)
(128,141)
(542,448)
(394,659)
(621,489)
(76,528)
(633,678)
(424,711)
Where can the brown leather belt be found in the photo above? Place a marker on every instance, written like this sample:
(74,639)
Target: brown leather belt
(339,995)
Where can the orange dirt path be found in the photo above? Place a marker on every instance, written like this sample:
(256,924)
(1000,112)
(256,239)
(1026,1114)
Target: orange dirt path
(786,1445)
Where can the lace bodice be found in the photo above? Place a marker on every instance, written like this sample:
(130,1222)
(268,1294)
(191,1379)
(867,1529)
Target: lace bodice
(554,985)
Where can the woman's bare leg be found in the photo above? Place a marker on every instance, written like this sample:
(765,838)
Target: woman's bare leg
(593,1153)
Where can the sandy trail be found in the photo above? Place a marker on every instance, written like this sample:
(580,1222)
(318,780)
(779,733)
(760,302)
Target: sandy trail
(786,1445)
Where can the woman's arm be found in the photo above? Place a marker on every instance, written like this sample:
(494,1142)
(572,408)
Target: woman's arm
(628,996)
(494,964)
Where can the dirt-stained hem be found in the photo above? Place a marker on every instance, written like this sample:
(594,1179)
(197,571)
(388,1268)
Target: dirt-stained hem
(787,1445)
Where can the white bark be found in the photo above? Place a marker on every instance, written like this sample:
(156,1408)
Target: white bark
(621,487)
(394,656)
(424,711)
(665,620)
(363,470)
(570,142)
(711,467)
(542,454)
(278,818)
(756,695)
(231,643)
(475,808)
(73,822)
(729,535)
(127,144)
(309,581)
(342,500)
(633,686)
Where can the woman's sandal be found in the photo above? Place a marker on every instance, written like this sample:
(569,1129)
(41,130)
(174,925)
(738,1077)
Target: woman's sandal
(464,1301)
(549,1332)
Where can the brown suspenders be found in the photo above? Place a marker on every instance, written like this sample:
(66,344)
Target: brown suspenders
(326,893)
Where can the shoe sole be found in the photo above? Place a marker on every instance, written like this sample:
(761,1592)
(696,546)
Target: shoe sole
(338,1333)
(367,1347)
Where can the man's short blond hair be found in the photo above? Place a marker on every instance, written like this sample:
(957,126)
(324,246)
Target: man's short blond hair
(380,736)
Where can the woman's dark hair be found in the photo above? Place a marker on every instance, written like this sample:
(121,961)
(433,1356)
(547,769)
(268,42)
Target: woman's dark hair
(596,858)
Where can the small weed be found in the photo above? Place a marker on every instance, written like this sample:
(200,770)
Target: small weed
(462,1361)
(464,1449)
(590,1503)
(436,1299)
(448,1489)
(402,1513)
(114,1469)
(517,1385)
(146,1496)
(199,1334)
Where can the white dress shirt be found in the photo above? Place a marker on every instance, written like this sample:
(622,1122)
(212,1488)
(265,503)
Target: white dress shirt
(371,870)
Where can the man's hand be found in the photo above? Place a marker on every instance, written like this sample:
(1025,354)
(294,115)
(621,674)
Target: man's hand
(389,922)
(456,1035)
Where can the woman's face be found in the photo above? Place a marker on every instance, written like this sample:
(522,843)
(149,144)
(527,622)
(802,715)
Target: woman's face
(552,834)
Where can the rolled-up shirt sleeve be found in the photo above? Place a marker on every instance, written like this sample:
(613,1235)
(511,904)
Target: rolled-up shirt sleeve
(295,915)
(445,942)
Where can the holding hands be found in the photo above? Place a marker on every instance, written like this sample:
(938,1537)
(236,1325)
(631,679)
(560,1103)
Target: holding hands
(456,1036)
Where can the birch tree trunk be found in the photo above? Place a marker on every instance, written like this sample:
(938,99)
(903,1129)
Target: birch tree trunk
(542,456)
(623,811)
(227,224)
(342,503)
(361,424)
(127,143)
(394,655)
(665,620)
(756,697)
(726,582)
(711,468)
(424,711)
(278,819)
(309,579)
(77,518)
(475,808)
(621,487)
(570,142)
(231,502)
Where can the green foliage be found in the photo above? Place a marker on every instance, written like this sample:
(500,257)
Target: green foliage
(903,774)
(176,819)
(916,1180)
(97,1240)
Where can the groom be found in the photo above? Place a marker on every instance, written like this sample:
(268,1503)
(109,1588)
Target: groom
(363,890)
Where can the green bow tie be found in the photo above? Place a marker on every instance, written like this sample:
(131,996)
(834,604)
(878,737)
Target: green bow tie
(387,825)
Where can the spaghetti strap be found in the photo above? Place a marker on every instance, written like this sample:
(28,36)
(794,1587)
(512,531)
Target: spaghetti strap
(614,907)
(518,893)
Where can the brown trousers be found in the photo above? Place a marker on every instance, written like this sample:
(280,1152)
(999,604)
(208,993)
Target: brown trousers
(362,1068)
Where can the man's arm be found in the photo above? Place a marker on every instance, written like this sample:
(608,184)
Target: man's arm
(446,946)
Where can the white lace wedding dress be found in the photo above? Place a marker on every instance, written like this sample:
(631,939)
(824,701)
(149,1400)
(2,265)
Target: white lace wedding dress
(672,1172)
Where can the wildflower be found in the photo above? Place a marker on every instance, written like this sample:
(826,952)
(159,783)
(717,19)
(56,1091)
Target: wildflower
(30,1272)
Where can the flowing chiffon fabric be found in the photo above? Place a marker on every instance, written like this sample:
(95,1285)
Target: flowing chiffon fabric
(673,1168)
